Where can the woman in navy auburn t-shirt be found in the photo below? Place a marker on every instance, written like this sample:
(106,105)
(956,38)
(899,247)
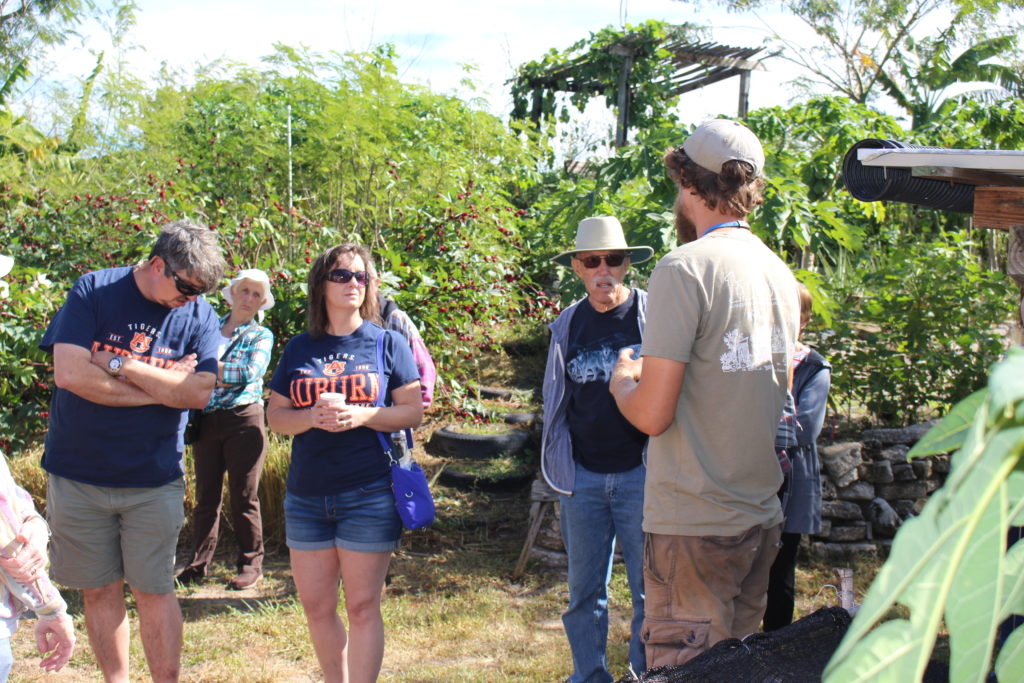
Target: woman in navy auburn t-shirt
(340,517)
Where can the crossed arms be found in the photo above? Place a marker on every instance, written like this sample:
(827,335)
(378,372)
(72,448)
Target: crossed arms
(83,373)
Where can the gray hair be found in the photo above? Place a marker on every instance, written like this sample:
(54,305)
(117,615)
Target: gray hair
(191,248)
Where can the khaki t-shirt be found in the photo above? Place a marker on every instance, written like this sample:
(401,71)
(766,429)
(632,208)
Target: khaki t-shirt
(726,306)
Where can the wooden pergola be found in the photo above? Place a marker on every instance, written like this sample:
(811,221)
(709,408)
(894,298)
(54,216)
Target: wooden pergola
(696,65)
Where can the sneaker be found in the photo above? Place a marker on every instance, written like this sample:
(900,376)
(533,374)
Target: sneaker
(190,576)
(247,578)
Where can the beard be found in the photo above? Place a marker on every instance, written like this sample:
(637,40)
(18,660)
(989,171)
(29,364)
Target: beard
(686,231)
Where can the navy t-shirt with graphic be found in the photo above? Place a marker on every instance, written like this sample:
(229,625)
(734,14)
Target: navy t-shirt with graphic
(326,463)
(137,446)
(603,440)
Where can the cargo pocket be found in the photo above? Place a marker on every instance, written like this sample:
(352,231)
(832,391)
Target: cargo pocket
(671,642)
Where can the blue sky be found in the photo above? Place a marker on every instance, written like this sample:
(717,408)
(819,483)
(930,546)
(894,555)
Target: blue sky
(434,40)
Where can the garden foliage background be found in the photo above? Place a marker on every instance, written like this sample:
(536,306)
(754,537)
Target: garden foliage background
(464,210)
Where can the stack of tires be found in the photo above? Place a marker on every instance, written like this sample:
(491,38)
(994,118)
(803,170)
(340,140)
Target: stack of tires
(494,456)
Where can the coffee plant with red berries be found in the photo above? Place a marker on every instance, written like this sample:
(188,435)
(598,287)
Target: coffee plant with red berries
(434,187)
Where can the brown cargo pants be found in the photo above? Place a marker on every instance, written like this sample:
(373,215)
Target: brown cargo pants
(703,589)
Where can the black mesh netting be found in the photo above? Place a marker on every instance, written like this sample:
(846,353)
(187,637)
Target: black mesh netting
(798,652)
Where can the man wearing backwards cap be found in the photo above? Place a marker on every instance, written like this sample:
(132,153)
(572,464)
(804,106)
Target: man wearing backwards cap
(710,389)
(590,453)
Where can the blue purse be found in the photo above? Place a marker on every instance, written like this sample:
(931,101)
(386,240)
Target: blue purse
(409,485)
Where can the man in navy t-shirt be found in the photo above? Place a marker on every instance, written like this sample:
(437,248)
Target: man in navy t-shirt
(133,349)
(590,453)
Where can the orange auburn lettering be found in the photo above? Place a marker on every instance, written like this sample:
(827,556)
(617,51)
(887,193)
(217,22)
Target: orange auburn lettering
(117,351)
(305,391)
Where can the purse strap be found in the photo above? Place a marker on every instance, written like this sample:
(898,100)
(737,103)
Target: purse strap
(384,441)
(239,333)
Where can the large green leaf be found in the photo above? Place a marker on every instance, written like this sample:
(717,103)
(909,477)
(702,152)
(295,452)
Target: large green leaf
(1010,663)
(1005,383)
(1013,581)
(912,569)
(949,434)
(950,561)
(972,616)
(881,656)
(972,449)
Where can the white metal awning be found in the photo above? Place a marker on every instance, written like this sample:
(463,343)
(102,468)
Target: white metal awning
(991,160)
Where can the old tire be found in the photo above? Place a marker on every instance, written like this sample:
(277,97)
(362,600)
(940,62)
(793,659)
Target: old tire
(452,476)
(519,418)
(462,445)
(493,392)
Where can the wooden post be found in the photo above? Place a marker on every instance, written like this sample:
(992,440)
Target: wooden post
(1015,255)
(1015,269)
(622,128)
(744,104)
(998,207)
(537,105)
(1002,208)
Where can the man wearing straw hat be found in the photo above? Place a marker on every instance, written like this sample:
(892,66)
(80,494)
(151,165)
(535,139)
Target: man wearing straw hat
(709,390)
(590,453)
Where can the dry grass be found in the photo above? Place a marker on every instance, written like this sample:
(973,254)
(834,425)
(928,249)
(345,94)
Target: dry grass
(452,611)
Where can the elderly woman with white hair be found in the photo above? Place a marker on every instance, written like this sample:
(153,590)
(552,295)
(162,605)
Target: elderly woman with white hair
(232,437)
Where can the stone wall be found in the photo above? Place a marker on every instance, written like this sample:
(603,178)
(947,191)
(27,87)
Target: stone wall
(869,488)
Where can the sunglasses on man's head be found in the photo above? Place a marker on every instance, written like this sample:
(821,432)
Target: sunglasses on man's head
(343,276)
(591,262)
(185,288)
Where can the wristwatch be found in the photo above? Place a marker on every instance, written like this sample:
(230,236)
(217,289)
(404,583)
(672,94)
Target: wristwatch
(114,365)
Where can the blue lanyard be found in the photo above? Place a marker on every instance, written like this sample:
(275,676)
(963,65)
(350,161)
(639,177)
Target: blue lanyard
(727,224)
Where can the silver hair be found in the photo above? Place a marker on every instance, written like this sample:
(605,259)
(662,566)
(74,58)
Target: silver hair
(191,248)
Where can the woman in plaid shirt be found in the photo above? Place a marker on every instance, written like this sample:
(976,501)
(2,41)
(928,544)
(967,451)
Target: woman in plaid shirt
(232,436)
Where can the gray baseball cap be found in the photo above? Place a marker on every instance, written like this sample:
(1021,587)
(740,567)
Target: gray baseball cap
(715,142)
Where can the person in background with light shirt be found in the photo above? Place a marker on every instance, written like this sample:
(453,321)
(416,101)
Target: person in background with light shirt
(710,387)
(24,584)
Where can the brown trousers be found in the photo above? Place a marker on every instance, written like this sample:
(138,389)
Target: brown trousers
(232,441)
(703,589)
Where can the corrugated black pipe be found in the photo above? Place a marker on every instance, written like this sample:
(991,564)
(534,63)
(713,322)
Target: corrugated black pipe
(880,183)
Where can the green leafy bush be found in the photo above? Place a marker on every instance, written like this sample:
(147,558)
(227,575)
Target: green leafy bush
(918,327)
(24,387)
(435,187)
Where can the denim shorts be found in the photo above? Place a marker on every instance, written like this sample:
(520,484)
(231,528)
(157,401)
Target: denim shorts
(363,520)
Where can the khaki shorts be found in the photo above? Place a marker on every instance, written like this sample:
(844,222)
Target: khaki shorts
(102,534)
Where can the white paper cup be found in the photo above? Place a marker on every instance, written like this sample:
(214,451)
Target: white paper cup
(331,398)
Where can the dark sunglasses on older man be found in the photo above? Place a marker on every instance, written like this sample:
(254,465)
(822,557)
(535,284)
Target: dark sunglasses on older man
(343,276)
(591,262)
(185,288)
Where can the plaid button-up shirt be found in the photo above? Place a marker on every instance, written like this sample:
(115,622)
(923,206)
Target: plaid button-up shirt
(245,363)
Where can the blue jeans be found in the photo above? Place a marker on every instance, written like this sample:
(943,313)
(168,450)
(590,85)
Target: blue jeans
(6,659)
(603,507)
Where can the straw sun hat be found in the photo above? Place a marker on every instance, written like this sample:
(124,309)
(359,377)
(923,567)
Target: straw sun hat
(603,233)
